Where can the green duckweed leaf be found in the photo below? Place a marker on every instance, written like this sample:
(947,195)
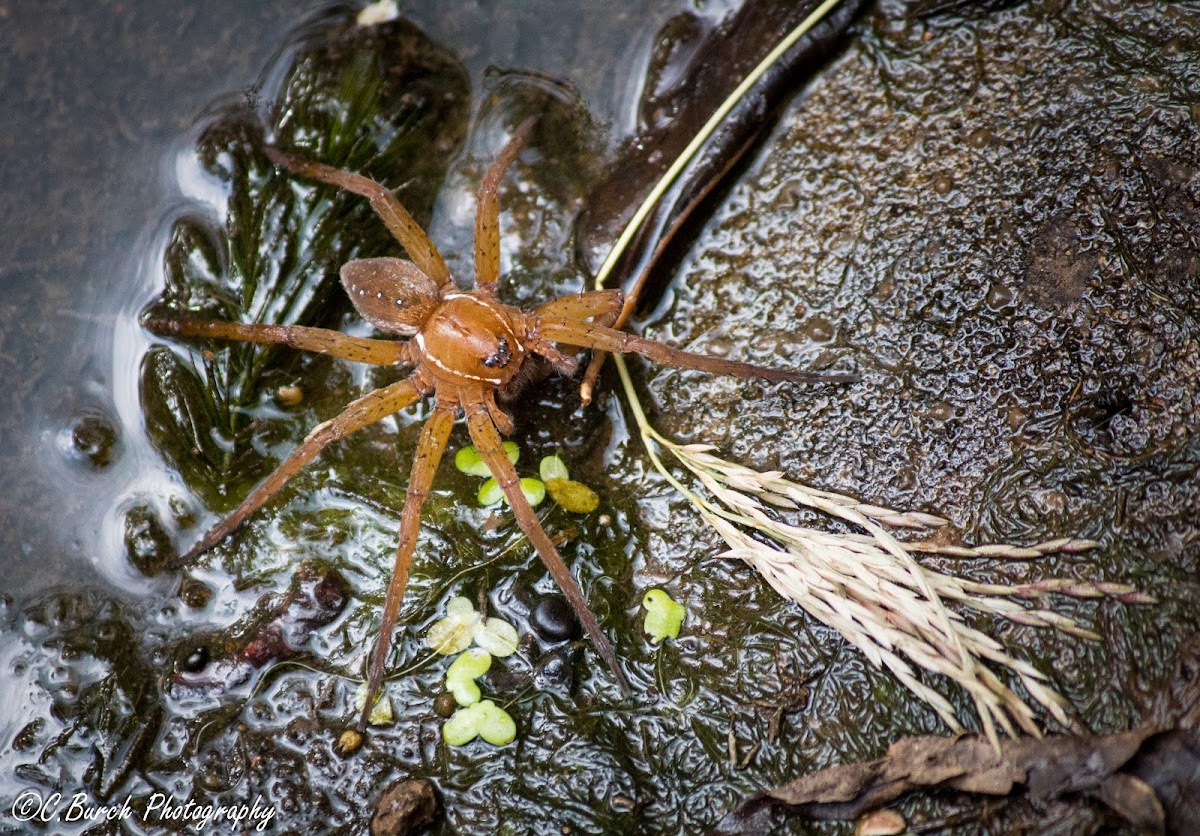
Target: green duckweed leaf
(468,460)
(463,625)
(664,616)
(471,665)
(534,491)
(461,676)
(465,691)
(497,637)
(491,492)
(461,728)
(496,726)
(460,606)
(455,632)
(552,467)
(483,719)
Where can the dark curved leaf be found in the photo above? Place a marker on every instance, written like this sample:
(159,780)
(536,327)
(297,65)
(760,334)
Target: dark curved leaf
(694,70)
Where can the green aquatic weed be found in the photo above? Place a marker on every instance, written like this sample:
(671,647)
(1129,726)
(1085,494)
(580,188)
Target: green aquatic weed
(483,719)
(571,495)
(468,460)
(463,625)
(491,492)
(461,676)
(664,616)
(552,467)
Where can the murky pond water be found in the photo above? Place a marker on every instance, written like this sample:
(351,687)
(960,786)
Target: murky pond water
(993,219)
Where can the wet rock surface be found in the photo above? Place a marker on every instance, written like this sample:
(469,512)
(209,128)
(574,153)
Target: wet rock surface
(995,222)
(1006,252)
(405,807)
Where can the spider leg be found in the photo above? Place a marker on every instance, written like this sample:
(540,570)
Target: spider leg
(360,413)
(386,205)
(592,335)
(499,417)
(564,362)
(665,237)
(600,306)
(487,442)
(429,453)
(320,340)
(487,213)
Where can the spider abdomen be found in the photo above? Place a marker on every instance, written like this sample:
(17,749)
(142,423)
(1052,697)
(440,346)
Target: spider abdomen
(471,337)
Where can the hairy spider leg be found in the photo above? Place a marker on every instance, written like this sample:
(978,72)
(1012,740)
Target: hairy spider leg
(487,213)
(360,413)
(487,442)
(320,340)
(592,335)
(386,205)
(430,447)
(601,306)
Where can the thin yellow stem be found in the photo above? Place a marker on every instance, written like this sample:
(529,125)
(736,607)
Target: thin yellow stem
(714,121)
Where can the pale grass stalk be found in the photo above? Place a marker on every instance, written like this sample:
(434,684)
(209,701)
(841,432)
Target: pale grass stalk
(872,590)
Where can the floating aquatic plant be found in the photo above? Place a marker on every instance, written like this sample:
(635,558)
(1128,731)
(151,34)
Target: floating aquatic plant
(483,719)
(470,462)
(461,676)
(492,494)
(556,480)
(664,616)
(495,637)
(571,495)
(464,625)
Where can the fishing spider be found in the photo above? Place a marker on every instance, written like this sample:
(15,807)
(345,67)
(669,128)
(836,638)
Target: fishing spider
(467,348)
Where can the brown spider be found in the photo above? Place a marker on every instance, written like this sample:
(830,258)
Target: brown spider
(466,348)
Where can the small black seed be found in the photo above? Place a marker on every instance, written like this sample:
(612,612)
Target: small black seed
(444,704)
(555,671)
(196,661)
(553,619)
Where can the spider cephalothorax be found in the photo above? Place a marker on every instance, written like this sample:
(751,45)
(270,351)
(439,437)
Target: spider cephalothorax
(467,348)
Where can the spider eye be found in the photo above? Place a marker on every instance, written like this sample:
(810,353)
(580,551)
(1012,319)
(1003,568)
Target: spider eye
(501,357)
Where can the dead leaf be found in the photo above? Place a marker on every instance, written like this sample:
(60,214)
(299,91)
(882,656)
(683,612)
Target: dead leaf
(1150,779)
